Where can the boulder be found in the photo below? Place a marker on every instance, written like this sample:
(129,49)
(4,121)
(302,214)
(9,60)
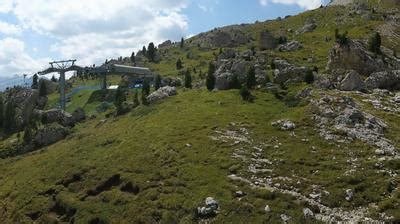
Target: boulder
(261,75)
(226,71)
(353,56)
(287,72)
(267,41)
(227,54)
(56,116)
(246,54)
(171,81)
(210,209)
(384,80)
(290,46)
(78,115)
(162,93)
(165,44)
(352,82)
(50,135)
(284,125)
(308,213)
(309,27)
(25,100)
(41,102)
(223,80)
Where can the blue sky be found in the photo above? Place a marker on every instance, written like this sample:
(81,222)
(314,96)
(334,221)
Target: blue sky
(33,32)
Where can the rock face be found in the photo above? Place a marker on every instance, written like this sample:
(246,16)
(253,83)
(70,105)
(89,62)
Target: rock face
(50,135)
(353,56)
(227,54)
(291,46)
(230,36)
(25,100)
(165,44)
(287,72)
(267,41)
(57,116)
(352,82)
(162,93)
(341,2)
(384,80)
(228,69)
(51,86)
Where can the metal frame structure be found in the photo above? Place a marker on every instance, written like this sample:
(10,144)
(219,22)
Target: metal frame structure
(61,67)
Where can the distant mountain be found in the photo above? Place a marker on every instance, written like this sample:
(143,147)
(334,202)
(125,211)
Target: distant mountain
(14,81)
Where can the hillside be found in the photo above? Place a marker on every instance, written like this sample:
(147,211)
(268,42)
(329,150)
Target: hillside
(299,153)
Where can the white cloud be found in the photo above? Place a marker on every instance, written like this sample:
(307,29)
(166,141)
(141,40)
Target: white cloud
(14,59)
(9,29)
(93,30)
(6,6)
(306,4)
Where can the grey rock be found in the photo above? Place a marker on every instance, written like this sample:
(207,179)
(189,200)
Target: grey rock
(246,54)
(51,87)
(290,46)
(223,80)
(162,93)
(309,27)
(79,115)
(25,100)
(352,82)
(353,56)
(308,213)
(50,135)
(349,194)
(211,207)
(267,208)
(284,125)
(267,41)
(171,81)
(285,218)
(285,72)
(230,36)
(227,54)
(165,44)
(239,194)
(41,102)
(56,116)
(384,80)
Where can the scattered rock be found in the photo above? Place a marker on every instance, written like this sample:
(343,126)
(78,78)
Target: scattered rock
(210,209)
(309,27)
(284,125)
(239,194)
(246,55)
(349,194)
(291,46)
(308,213)
(162,93)
(285,218)
(267,208)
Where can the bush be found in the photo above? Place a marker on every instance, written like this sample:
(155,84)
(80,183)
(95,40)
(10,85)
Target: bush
(120,98)
(235,84)
(245,93)
(179,65)
(309,77)
(146,87)
(374,43)
(341,38)
(144,98)
(188,79)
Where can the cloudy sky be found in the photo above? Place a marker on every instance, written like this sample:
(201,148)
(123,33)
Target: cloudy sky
(34,32)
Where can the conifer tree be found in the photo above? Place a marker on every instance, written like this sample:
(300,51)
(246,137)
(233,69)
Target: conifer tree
(251,78)
(374,43)
(120,97)
(35,81)
(42,89)
(9,117)
(188,79)
(179,65)
(133,60)
(146,87)
(235,83)
(151,51)
(182,44)
(157,82)
(210,79)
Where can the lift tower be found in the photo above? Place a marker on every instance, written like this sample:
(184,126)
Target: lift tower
(61,67)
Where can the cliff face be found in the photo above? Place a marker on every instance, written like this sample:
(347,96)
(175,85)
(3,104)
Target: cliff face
(341,2)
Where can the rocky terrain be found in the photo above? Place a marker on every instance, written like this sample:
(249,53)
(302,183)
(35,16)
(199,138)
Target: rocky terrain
(318,142)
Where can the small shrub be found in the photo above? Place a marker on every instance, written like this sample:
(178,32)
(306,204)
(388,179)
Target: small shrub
(235,84)
(374,43)
(179,64)
(188,80)
(157,82)
(245,93)
(251,78)
(341,38)
(210,79)
(309,77)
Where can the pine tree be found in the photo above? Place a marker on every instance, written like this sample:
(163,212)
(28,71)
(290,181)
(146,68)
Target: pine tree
(182,44)
(210,79)
(151,51)
(27,134)
(188,79)
(251,78)
(136,99)
(133,60)
(245,93)
(179,65)
(374,43)
(146,87)
(42,89)
(53,79)
(9,117)
(35,81)
(120,98)
(144,98)
(1,112)
(144,51)
(157,81)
